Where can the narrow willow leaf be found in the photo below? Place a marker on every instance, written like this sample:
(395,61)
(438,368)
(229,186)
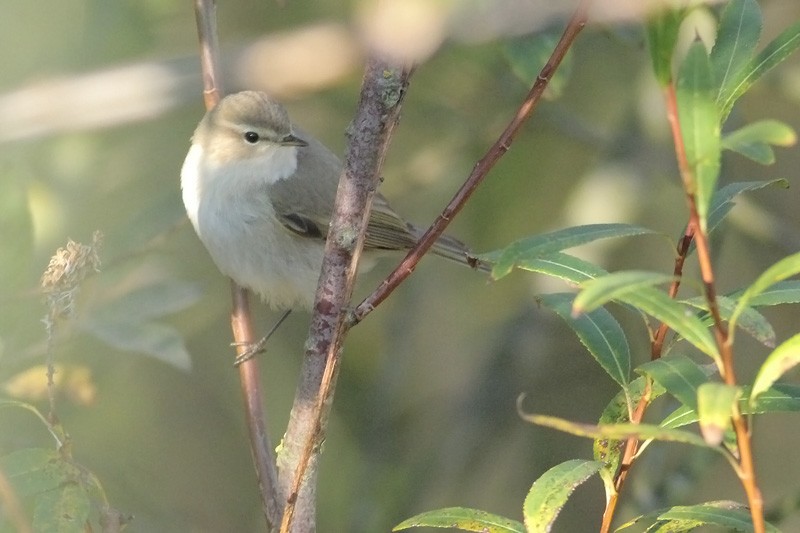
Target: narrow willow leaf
(782,397)
(750,320)
(781,360)
(464,519)
(617,431)
(660,306)
(722,202)
(599,332)
(679,375)
(785,268)
(783,292)
(700,126)
(552,490)
(754,140)
(772,55)
(538,246)
(725,514)
(681,522)
(716,404)
(662,34)
(609,451)
(564,267)
(599,291)
(64,510)
(737,36)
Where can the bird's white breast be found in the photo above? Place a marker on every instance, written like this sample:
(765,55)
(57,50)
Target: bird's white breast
(229,207)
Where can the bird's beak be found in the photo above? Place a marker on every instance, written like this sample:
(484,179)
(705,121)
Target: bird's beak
(291,140)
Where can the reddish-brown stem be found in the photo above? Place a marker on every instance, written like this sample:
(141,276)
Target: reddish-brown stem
(631,447)
(241,322)
(479,171)
(657,346)
(746,469)
(249,377)
(694,231)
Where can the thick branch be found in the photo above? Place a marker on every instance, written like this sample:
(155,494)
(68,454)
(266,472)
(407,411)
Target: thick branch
(382,91)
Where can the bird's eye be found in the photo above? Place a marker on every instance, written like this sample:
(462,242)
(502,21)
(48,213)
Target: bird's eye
(251,137)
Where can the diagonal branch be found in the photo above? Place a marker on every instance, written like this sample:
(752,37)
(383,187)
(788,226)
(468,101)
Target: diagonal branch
(479,172)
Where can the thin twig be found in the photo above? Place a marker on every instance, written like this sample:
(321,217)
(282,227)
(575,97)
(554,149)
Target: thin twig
(382,91)
(250,380)
(241,321)
(206,16)
(657,346)
(479,172)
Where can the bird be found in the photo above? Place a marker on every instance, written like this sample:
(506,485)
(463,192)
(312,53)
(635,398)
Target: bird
(259,193)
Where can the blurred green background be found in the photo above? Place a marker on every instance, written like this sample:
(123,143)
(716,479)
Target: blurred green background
(98,100)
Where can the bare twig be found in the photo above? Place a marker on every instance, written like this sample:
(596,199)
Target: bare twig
(249,377)
(206,15)
(479,172)
(241,322)
(382,92)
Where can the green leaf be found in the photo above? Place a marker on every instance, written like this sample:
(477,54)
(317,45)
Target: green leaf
(597,292)
(552,490)
(781,360)
(785,268)
(528,54)
(609,451)
(725,514)
(680,519)
(716,404)
(750,320)
(679,375)
(783,292)
(599,332)
(37,470)
(782,397)
(754,140)
(662,34)
(737,36)
(563,266)
(618,431)
(722,202)
(64,510)
(700,126)
(672,313)
(772,55)
(538,246)
(462,518)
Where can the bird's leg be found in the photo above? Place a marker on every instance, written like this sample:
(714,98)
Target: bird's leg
(255,348)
